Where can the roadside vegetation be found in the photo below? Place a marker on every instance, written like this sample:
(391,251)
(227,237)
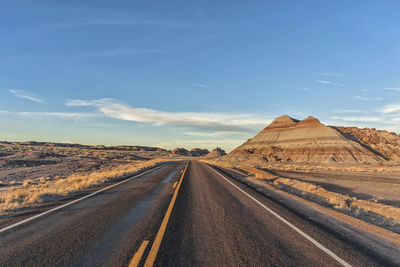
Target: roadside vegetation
(40,191)
(389,215)
(368,210)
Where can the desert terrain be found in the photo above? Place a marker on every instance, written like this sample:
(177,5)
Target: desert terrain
(343,179)
(346,162)
(34,173)
(356,170)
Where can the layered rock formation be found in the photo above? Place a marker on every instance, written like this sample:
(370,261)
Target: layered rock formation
(384,143)
(216,153)
(198,152)
(287,139)
(181,152)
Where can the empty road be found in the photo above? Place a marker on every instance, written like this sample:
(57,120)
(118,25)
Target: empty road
(164,218)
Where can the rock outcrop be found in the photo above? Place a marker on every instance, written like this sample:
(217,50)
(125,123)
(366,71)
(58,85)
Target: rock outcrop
(198,152)
(384,143)
(216,153)
(290,140)
(181,152)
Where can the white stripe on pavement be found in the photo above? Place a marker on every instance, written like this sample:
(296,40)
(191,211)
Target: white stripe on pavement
(74,201)
(309,238)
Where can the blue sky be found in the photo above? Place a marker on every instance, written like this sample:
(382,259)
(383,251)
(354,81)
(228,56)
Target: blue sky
(193,73)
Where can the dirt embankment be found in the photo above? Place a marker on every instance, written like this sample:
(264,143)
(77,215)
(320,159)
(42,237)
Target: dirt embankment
(371,210)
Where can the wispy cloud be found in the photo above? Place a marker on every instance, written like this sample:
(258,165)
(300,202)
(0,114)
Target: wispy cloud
(392,108)
(335,74)
(26,95)
(365,98)
(329,82)
(53,116)
(123,52)
(362,98)
(387,117)
(304,88)
(102,21)
(392,88)
(358,118)
(323,81)
(198,85)
(212,134)
(204,121)
(347,111)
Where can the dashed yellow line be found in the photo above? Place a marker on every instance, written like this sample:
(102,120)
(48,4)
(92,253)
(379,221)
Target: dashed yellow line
(138,255)
(175,184)
(157,241)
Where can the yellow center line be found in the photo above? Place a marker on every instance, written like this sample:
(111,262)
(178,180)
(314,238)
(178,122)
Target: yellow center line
(157,241)
(175,184)
(138,255)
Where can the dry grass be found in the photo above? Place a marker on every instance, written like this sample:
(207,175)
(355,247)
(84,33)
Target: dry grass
(44,191)
(356,169)
(338,201)
(260,174)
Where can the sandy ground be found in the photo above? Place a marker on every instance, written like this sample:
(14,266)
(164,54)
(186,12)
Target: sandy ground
(345,218)
(382,187)
(21,162)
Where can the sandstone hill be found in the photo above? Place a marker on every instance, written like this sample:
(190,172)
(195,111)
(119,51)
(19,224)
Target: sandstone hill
(180,151)
(290,140)
(198,152)
(382,142)
(216,153)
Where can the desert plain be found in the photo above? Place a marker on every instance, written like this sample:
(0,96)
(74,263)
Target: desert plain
(347,169)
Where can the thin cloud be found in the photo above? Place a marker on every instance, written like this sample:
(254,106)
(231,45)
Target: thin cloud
(347,111)
(25,95)
(198,85)
(392,108)
(359,118)
(362,98)
(109,107)
(122,52)
(304,88)
(211,134)
(94,22)
(323,81)
(392,88)
(335,74)
(53,116)
(387,117)
(329,82)
(365,98)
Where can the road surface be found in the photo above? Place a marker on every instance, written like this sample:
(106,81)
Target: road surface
(209,219)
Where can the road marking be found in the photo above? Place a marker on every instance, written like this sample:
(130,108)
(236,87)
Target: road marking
(138,255)
(157,241)
(74,201)
(309,238)
(175,184)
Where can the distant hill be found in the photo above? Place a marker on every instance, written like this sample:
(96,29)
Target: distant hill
(97,147)
(216,153)
(290,140)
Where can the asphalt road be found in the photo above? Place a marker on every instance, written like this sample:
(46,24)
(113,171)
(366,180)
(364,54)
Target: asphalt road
(103,230)
(215,221)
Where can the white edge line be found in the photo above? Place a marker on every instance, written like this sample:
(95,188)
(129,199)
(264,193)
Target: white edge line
(309,238)
(74,201)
